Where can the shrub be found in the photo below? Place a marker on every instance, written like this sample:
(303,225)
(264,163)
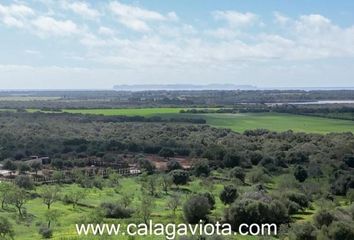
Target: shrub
(196,208)
(46,232)
(229,194)
(251,211)
(341,231)
(173,165)
(349,160)
(302,231)
(179,177)
(300,174)
(211,199)
(24,182)
(114,210)
(201,168)
(238,173)
(6,229)
(323,218)
(298,198)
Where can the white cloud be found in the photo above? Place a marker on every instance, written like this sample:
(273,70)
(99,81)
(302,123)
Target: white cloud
(280,18)
(164,42)
(106,31)
(50,26)
(32,52)
(15,15)
(137,18)
(235,18)
(82,9)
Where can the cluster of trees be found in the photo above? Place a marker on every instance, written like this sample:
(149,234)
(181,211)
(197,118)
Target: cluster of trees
(337,111)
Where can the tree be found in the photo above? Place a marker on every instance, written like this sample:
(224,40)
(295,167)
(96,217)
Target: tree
(211,199)
(147,166)
(349,160)
(9,165)
(75,195)
(196,208)
(228,195)
(18,197)
(150,184)
(127,199)
(58,176)
(114,179)
(50,194)
(166,182)
(145,208)
(201,168)
(173,165)
(23,168)
(24,182)
(300,173)
(114,210)
(4,193)
(297,157)
(36,166)
(238,173)
(179,177)
(51,216)
(341,230)
(350,195)
(249,211)
(231,159)
(174,202)
(303,231)
(166,153)
(323,218)
(6,229)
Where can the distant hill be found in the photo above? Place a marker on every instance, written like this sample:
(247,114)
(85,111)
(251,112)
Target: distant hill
(145,87)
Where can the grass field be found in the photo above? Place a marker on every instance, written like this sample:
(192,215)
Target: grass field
(64,225)
(279,122)
(240,122)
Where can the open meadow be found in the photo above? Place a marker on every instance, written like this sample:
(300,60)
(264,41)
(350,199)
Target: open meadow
(239,122)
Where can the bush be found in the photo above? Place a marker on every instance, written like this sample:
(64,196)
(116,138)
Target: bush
(24,182)
(298,198)
(342,184)
(300,174)
(349,160)
(201,168)
(341,231)
(196,208)
(6,229)
(46,232)
(179,177)
(166,153)
(211,199)
(173,165)
(147,166)
(302,231)
(251,211)
(229,194)
(231,159)
(323,218)
(113,210)
(238,173)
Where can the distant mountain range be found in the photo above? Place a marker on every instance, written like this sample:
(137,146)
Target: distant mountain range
(145,87)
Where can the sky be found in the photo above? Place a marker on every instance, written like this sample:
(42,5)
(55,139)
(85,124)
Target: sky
(77,44)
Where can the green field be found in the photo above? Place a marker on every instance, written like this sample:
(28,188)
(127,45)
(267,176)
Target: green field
(240,122)
(279,122)
(64,225)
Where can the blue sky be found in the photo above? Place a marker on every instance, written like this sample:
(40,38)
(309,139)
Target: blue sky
(76,44)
